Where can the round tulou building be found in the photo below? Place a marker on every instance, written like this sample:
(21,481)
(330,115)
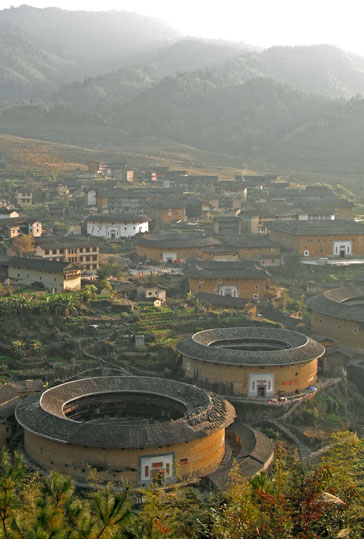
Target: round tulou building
(250,361)
(339,314)
(127,427)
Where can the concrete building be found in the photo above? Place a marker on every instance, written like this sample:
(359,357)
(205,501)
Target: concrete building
(54,276)
(339,315)
(127,428)
(114,226)
(321,238)
(250,361)
(240,279)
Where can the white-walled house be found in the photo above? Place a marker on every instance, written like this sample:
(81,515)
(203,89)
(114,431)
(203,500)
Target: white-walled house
(113,226)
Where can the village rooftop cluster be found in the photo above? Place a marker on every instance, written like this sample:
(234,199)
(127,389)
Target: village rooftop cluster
(153,240)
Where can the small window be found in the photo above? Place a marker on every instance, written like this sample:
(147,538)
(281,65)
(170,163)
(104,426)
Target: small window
(255,296)
(219,281)
(360,239)
(188,365)
(355,330)
(306,252)
(200,280)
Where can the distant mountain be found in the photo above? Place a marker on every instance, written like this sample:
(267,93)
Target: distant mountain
(319,69)
(187,55)
(40,49)
(245,119)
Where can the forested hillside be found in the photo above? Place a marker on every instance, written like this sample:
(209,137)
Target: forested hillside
(106,90)
(40,49)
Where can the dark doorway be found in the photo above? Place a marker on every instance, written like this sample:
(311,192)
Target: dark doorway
(261,391)
(342,253)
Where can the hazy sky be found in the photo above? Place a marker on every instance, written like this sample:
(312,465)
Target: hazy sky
(259,22)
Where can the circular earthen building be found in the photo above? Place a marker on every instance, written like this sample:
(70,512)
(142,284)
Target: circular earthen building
(126,428)
(250,361)
(339,314)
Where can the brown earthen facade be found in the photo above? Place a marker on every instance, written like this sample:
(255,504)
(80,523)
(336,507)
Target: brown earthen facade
(240,288)
(194,458)
(347,332)
(320,245)
(235,379)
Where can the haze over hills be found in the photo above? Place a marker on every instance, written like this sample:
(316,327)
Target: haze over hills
(289,106)
(186,55)
(40,49)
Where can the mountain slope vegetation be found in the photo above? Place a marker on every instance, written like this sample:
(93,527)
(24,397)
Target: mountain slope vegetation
(44,48)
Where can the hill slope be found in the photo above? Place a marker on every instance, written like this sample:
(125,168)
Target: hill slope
(319,69)
(106,90)
(43,48)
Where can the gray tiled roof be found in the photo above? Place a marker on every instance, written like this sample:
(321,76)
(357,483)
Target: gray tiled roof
(175,241)
(214,269)
(117,218)
(204,413)
(40,264)
(251,240)
(317,227)
(291,347)
(340,303)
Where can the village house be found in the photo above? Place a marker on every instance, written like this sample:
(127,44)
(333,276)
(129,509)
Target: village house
(167,210)
(54,276)
(257,220)
(212,199)
(8,213)
(321,238)
(56,210)
(228,224)
(4,201)
(221,252)
(70,249)
(24,199)
(339,207)
(117,200)
(11,228)
(256,246)
(119,171)
(199,182)
(164,248)
(149,290)
(113,226)
(240,279)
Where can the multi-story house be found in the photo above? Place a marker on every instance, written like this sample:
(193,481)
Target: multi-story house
(70,249)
